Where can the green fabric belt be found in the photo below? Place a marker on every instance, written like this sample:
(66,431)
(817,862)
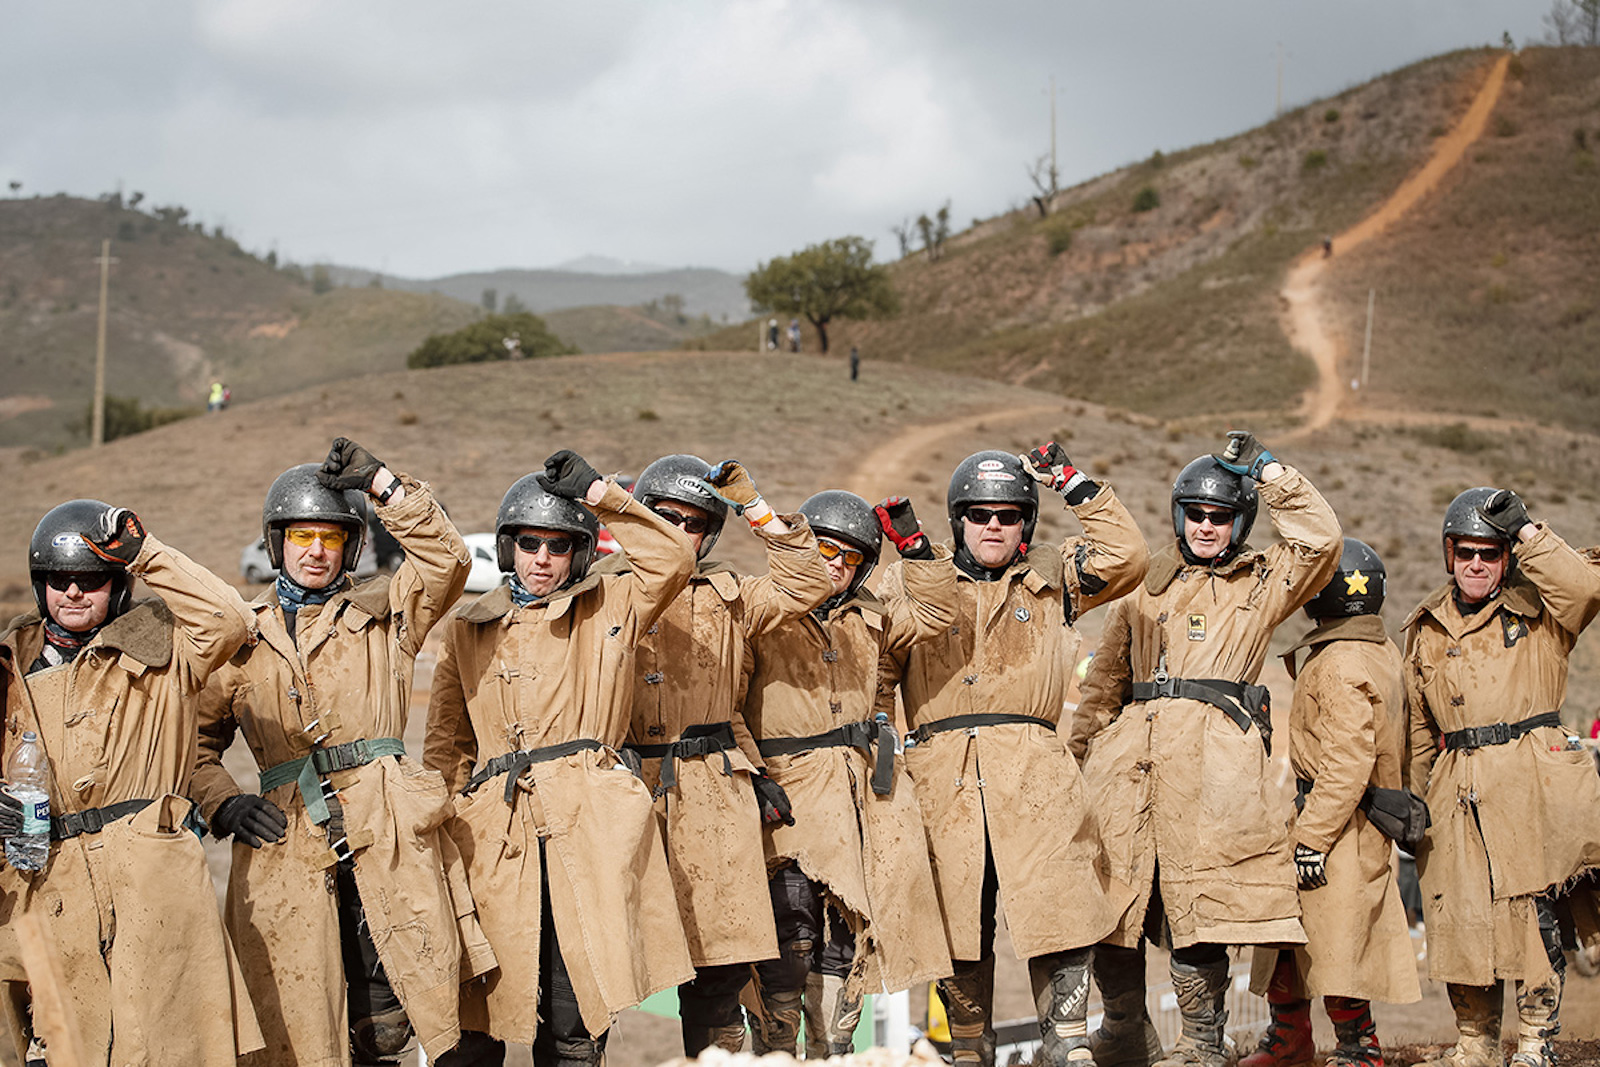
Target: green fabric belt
(308,770)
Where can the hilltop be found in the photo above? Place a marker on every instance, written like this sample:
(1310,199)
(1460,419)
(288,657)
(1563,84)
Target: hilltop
(1176,310)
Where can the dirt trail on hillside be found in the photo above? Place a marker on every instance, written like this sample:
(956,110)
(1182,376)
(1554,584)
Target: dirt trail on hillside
(1302,309)
(882,471)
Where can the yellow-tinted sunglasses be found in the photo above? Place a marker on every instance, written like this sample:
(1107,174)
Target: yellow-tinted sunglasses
(853,557)
(300,535)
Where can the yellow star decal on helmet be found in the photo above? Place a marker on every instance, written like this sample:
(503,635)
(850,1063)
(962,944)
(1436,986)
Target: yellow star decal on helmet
(1355,584)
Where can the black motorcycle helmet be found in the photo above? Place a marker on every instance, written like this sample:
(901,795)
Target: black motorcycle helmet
(991,477)
(846,517)
(679,478)
(297,496)
(527,504)
(1463,519)
(1356,588)
(1206,481)
(59,544)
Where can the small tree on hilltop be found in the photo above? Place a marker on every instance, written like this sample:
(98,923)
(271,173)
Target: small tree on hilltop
(835,279)
(484,341)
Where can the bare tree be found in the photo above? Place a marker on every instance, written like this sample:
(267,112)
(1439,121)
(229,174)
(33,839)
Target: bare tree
(904,232)
(1046,181)
(933,231)
(1573,22)
(16,187)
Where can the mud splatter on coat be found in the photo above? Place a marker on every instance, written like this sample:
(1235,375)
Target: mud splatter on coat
(151,975)
(1177,778)
(1014,787)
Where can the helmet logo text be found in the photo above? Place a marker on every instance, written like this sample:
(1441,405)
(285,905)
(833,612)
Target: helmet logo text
(995,476)
(990,465)
(63,540)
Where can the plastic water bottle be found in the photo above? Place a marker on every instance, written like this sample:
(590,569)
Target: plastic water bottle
(28,780)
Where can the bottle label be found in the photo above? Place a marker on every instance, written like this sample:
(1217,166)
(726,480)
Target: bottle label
(36,818)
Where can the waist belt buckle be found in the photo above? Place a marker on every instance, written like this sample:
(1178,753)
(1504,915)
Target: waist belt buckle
(92,821)
(1498,734)
(1166,685)
(972,731)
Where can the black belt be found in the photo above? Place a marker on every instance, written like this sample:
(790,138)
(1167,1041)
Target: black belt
(1218,692)
(93,820)
(701,739)
(972,722)
(512,764)
(1499,733)
(862,735)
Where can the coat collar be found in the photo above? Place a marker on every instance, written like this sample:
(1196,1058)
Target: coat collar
(1349,628)
(142,633)
(1518,595)
(1166,562)
(721,577)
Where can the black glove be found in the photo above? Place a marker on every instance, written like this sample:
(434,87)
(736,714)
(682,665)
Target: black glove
(567,474)
(10,815)
(348,466)
(900,525)
(117,537)
(251,819)
(1049,464)
(1311,867)
(1505,511)
(1243,454)
(773,800)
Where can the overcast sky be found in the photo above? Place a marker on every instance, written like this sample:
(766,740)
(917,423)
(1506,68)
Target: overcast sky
(422,137)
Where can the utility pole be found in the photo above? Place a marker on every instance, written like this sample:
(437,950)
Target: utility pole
(97,433)
(1366,349)
(1053,171)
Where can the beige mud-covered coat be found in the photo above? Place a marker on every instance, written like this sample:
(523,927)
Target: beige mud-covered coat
(348,679)
(1010,651)
(131,910)
(1346,732)
(1175,779)
(868,851)
(561,669)
(688,672)
(1527,811)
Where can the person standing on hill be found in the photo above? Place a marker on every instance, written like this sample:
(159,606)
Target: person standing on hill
(1002,799)
(531,703)
(110,689)
(696,752)
(350,932)
(848,865)
(1176,735)
(1346,741)
(1515,800)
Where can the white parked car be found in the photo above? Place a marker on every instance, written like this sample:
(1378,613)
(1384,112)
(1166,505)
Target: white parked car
(485,573)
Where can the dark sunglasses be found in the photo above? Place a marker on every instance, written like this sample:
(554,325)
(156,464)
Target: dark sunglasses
(695,524)
(558,546)
(1489,554)
(1200,516)
(61,581)
(1004,516)
(853,557)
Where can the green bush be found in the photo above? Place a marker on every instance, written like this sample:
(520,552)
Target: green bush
(1146,199)
(1315,159)
(125,416)
(1331,115)
(1057,230)
(1504,127)
(484,341)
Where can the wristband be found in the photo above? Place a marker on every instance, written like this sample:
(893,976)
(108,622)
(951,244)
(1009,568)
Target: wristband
(383,497)
(766,514)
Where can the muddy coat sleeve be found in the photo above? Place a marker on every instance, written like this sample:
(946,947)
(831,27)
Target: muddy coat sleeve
(929,605)
(660,560)
(211,620)
(1312,542)
(1108,686)
(435,568)
(1568,583)
(796,581)
(212,784)
(1346,732)
(449,745)
(1110,559)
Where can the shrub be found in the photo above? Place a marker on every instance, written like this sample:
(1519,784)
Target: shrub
(1331,115)
(1146,199)
(1457,437)
(125,416)
(1504,127)
(1580,138)
(1057,230)
(1249,162)
(1315,159)
(484,341)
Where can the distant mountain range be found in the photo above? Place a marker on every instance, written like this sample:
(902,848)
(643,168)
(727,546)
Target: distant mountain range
(705,291)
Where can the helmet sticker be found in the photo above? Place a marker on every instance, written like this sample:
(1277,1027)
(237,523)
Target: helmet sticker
(1023,614)
(995,476)
(68,538)
(990,465)
(691,485)
(1355,583)
(547,501)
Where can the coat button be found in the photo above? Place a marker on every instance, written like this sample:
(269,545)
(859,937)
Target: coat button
(971,679)
(835,707)
(831,656)
(1452,651)
(1457,701)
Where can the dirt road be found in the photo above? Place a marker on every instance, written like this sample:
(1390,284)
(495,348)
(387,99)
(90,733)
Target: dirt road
(882,471)
(1302,310)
